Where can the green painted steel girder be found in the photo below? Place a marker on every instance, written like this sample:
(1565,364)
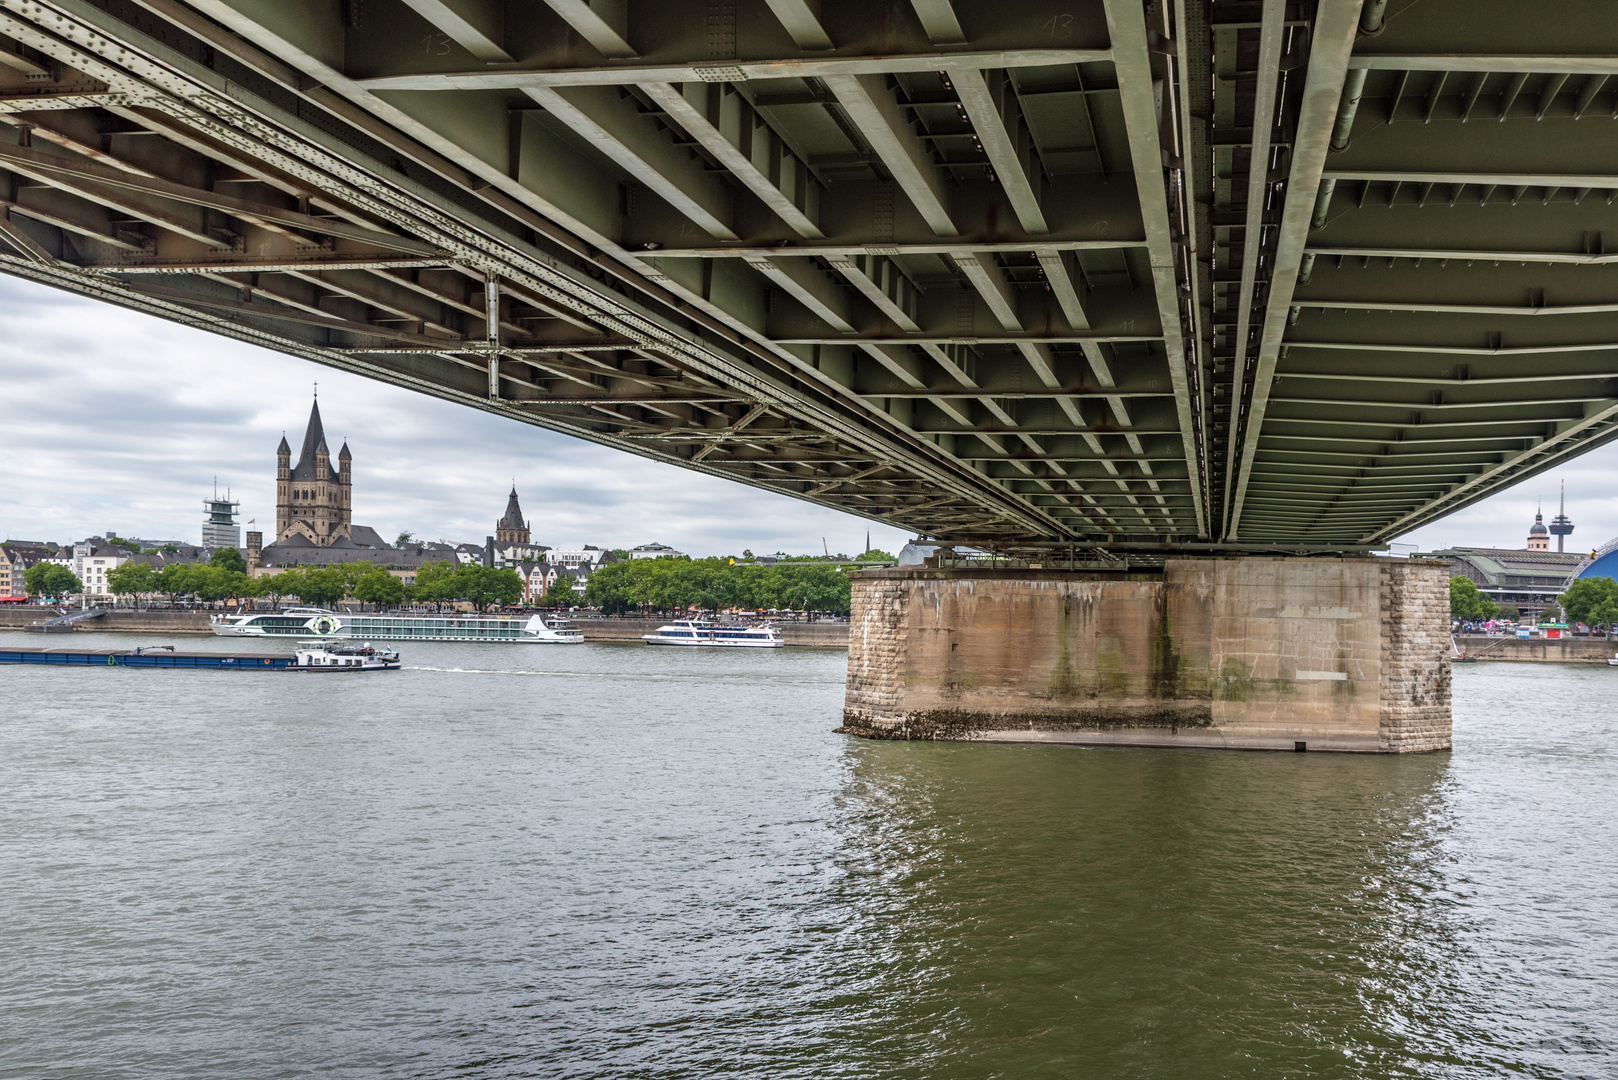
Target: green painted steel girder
(1094,272)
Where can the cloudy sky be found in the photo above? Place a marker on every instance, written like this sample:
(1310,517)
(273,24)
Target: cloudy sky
(117,421)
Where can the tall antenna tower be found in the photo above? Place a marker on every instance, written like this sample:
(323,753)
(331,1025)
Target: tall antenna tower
(1561,524)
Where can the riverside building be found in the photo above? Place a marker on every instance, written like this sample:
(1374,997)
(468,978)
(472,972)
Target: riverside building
(1527,579)
(219,528)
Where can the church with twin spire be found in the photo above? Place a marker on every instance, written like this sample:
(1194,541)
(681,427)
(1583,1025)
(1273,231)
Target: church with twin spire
(313,501)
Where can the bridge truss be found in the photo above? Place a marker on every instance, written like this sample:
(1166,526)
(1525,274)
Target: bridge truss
(1093,272)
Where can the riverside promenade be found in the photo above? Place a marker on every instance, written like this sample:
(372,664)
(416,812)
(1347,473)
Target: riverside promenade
(821,634)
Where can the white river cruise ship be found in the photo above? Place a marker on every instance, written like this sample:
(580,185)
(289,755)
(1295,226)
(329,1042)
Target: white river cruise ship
(727,635)
(397,626)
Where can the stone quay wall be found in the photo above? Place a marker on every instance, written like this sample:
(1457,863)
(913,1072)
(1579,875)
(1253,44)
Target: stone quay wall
(1573,650)
(146,622)
(1255,653)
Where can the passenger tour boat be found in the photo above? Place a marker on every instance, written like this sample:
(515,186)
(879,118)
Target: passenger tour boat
(729,635)
(398,626)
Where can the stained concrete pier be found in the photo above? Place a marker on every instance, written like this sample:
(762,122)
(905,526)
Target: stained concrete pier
(1346,654)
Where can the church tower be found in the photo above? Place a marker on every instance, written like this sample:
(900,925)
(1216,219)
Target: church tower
(512,529)
(1539,537)
(312,502)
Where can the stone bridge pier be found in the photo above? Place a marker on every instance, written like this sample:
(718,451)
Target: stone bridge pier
(1347,654)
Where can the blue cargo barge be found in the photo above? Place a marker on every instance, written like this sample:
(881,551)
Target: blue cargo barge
(147,657)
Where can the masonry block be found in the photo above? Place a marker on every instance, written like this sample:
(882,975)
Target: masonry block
(1348,654)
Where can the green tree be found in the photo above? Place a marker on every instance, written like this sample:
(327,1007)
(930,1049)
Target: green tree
(276,586)
(485,585)
(1587,600)
(379,587)
(611,589)
(218,583)
(228,558)
(352,573)
(1466,603)
(877,555)
(321,586)
(173,581)
(814,588)
(127,545)
(1604,614)
(405,537)
(132,579)
(437,582)
(1551,614)
(49,579)
(716,584)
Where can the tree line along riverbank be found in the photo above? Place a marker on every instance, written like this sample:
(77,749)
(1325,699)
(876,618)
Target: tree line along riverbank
(640,585)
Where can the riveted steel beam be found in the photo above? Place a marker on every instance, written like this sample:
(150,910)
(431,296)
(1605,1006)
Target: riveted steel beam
(991,367)
(478,26)
(1333,40)
(725,124)
(740,70)
(885,126)
(1127,27)
(614,126)
(991,106)
(1255,230)
(1569,63)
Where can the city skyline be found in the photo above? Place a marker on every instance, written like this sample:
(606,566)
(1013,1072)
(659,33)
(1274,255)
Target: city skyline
(132,447)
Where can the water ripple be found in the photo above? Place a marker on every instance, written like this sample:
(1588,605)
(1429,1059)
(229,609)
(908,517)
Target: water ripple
(666,866)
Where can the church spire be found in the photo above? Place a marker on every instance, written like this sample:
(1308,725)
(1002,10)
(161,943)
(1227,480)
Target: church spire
(314,444)
(512,528)
(513,518)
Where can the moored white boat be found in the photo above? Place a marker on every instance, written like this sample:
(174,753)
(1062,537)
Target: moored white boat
(398,626)
(324,655)
(727,635)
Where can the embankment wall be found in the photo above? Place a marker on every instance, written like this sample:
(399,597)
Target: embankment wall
(165,622)
(1577,650)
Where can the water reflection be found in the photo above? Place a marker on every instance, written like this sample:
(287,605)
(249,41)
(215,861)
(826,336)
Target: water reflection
(614,862)
(1149,912)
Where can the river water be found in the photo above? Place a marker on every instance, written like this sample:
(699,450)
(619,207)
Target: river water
(614,861)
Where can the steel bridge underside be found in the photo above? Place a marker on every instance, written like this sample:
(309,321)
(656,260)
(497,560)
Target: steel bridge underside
(1100,273)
